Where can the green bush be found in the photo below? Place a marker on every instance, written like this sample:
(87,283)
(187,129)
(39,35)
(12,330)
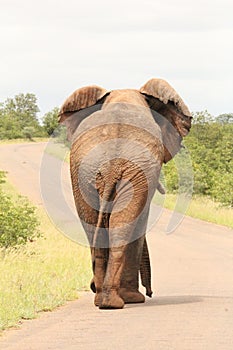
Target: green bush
(210,144)
(18,221)
(28,132)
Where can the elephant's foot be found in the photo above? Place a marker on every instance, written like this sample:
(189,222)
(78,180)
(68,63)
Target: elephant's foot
(111,300)
(131,296)
(92,285)
(98,298)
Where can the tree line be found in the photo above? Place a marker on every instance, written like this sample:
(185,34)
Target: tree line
(209,143)
(19,118)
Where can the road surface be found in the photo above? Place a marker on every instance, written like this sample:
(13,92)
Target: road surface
(192,306)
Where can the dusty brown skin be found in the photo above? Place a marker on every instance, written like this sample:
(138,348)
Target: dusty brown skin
(120,140)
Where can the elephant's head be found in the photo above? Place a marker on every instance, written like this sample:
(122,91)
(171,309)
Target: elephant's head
(167,107)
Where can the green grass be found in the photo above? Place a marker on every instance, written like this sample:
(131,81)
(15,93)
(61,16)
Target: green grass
(42,275)
(35,139)
(58,150)
(201,208)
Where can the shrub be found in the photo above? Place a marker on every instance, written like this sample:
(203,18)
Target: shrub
(18,221)
(28,132)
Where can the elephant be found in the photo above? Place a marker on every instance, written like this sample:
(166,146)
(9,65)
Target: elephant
(119,142)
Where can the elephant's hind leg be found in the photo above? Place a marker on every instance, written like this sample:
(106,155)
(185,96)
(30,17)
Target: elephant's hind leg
(87,204)
(126,224)
(129,282)
(120,234)
(110,297)
(99,269)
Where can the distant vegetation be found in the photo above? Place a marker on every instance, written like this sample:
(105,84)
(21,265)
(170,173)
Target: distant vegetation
(50,121)
(210,144)
(19,118)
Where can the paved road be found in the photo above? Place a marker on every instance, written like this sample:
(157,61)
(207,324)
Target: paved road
(192,307)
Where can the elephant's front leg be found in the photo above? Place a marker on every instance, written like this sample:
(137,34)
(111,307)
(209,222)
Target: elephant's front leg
(110,295)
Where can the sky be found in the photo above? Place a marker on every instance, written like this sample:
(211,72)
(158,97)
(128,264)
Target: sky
(51,48)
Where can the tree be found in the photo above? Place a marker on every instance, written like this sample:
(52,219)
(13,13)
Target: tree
(211,145)
(225,118)
(16,114)
(50,121)
(10,127)
(23,107)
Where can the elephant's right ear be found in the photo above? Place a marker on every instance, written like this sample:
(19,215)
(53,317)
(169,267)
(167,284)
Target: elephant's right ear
(78,106)
(171,113)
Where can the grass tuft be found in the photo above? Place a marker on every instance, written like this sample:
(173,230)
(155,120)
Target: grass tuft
(201,208)
(22,140)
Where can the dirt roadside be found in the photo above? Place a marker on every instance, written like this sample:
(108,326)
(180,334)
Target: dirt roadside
(192,307)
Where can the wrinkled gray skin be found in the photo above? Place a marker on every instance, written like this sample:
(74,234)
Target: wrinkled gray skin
(118,148)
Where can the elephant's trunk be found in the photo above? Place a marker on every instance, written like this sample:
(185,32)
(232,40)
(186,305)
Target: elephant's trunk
(145,270)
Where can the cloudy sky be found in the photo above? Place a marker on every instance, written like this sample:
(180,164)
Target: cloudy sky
(51,48)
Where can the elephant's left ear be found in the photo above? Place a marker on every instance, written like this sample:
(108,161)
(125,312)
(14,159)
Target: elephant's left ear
(162,98)
(81,99)
(78,106)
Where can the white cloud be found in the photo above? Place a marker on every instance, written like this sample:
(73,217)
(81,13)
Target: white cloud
(53,47)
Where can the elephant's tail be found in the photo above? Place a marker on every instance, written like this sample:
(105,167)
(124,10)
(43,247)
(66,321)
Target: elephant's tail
(145,269)
(106,193)
(160,188)
(100,238)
